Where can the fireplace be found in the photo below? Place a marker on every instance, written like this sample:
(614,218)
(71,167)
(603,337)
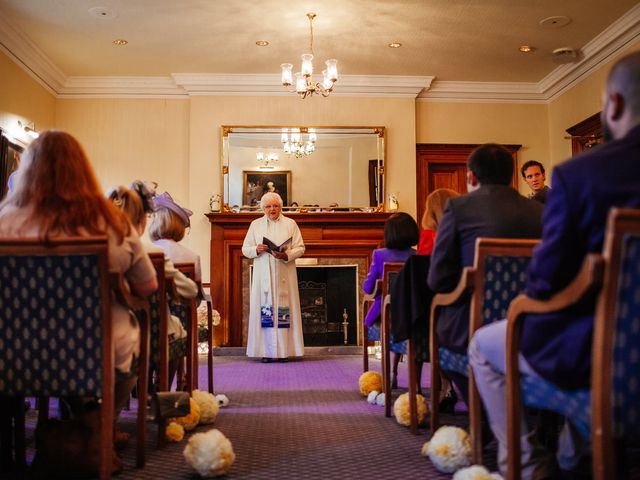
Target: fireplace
(331,238)
(327,286)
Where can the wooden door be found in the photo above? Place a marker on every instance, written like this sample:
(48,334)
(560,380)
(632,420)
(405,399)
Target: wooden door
(441,165)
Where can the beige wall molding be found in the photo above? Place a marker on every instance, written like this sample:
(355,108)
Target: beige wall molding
(595,53)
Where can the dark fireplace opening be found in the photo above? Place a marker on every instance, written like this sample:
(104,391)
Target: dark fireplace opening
(328,304)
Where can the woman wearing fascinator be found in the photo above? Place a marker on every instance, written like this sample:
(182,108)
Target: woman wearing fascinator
(168,226)
(136,203)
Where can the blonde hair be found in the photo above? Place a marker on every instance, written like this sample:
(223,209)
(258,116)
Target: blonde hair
(55,177)
(166,224)
(130,203)
(434,207)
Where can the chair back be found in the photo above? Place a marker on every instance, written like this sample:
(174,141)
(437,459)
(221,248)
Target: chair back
(500,266)
(55,324)
(159,349)
(186,312)
(616,348)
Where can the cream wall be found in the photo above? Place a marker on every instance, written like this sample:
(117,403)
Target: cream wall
(456,122)
(24,99)
(577,104)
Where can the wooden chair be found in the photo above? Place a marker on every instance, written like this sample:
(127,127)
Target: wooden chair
(389,272)
(38,282)
(615,275)
(497,263)
(367,303)
(141,308)
(159,358)
(207,298)
(186,311)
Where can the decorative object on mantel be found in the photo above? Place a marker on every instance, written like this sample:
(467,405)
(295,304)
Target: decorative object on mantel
(393,202)
(215,202)
(295,144)
(305,86)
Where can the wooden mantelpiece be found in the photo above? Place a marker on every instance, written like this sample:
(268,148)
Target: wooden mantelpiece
(331,234)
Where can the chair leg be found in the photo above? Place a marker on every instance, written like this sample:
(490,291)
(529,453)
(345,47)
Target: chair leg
(386,365)
(435,392)
(413,404)
(475,420)
(143,368)
(365,348)
(210,347)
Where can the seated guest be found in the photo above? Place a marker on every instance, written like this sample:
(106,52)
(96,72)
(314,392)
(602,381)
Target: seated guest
(533,173)
(137,203)
(57,195)
(400,234)
(167,228)
(492,208)
(557,346)
(434,208)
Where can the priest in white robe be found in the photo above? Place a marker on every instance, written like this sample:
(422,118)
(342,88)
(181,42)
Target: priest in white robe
(275,323)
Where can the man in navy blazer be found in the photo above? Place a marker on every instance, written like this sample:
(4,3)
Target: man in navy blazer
(557,347)
(492,208)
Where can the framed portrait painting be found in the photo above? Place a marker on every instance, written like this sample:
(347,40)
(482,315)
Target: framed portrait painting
(257,183)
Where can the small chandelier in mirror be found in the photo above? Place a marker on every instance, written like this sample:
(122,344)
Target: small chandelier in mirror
(294,143)
(305,86)
(267,160)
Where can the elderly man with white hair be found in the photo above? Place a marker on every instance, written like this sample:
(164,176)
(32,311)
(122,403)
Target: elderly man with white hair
(275,324)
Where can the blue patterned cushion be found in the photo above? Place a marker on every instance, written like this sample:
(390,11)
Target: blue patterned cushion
(504,279)
(454,362)
(575,404)
(374,335)
(183,312)
(626,355)
(50,331)
(154,323)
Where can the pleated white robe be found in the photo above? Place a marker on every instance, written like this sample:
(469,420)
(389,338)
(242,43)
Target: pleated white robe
(274,342)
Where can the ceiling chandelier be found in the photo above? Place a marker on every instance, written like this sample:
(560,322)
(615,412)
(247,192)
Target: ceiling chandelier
(267,160)
(294,143)
(305,86)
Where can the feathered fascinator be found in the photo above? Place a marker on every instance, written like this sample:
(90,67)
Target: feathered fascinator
(147,191)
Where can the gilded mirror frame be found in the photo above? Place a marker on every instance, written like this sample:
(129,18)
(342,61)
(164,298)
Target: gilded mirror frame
(368,163)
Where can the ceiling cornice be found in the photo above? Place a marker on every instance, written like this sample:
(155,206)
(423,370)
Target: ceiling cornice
(595,54)
(598,51)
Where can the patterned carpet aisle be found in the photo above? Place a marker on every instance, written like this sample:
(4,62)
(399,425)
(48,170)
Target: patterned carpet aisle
(302,420)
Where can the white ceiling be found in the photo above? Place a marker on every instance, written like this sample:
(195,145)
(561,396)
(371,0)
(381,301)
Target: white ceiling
(200,45)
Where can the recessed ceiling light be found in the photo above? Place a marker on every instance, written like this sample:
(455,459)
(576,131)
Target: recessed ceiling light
(526,48)
(262,43)
(395,45)
(120,41)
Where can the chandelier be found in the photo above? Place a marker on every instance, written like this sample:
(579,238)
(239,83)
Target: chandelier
(267,160)
(293,142)
(305,86)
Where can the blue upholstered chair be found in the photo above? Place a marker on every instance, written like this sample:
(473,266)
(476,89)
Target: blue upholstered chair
(185,310)
(55,325)
(159,346)
(497,276)
(611,408)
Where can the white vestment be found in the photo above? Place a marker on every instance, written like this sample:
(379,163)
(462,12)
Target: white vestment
(274,282)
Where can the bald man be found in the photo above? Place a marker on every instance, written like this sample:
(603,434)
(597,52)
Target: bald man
(557,346)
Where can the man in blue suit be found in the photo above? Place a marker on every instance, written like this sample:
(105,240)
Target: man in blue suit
(557,347)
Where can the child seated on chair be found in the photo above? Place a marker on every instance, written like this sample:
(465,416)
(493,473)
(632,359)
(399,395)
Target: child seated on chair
(400,234)
(137,203)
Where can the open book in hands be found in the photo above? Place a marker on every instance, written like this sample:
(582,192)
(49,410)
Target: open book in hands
(276,248)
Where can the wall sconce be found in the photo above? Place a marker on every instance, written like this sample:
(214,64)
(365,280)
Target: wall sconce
(29,129)
(267,160)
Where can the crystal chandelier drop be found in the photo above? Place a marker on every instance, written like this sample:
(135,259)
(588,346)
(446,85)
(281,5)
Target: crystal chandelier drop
(267,160)
(293,142)
(305,86)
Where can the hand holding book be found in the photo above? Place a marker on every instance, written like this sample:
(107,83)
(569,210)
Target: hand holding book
(273,248)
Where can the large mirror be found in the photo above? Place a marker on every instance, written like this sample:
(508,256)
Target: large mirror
(312,168)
